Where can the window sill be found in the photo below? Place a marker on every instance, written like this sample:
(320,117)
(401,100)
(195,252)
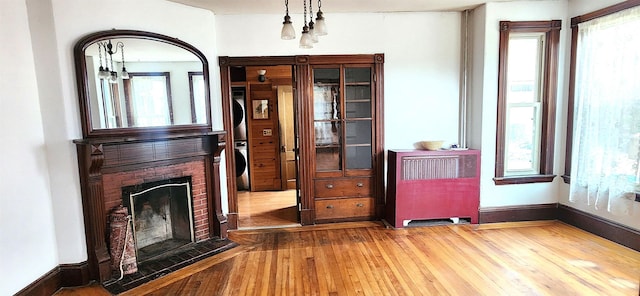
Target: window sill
(567,179)
(523,179)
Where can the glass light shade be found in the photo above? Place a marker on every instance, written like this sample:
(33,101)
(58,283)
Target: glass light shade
(320,26)
(124,74)
(288,32)
(312,33)
(103,73)
(113,78)
(305,40)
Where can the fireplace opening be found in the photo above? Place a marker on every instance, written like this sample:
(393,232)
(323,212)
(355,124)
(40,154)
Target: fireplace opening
(162,216)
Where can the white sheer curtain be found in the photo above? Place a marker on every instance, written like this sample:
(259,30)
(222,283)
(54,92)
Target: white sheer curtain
(606,149)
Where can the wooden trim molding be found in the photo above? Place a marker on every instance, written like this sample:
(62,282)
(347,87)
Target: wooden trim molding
(523,179)
(304,119)
(599,226)
(518,213)
(551,29)
(604,12)
(63,275)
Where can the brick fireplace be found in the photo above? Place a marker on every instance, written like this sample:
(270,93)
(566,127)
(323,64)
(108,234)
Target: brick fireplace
(107,166)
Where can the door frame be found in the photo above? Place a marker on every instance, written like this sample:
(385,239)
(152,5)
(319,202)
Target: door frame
(302,88)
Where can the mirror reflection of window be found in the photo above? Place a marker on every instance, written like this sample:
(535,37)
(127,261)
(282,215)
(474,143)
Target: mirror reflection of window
(197,94)
(110,107)
(148,99)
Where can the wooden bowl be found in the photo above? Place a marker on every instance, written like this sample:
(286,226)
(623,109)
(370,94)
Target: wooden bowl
(431,145)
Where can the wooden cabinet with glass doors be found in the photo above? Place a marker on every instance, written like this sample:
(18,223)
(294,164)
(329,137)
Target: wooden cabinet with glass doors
(344,138)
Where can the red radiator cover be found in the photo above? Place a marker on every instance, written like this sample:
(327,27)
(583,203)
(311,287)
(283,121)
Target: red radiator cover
(425,185)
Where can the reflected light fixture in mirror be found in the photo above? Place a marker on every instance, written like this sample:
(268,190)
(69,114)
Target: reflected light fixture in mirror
(104,72)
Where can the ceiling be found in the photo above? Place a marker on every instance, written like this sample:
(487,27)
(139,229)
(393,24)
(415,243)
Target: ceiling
(334,6)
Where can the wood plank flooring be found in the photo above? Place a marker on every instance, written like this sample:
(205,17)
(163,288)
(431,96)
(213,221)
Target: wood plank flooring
(267,209)
(366,258)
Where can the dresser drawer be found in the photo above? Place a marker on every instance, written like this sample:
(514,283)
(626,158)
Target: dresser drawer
(353,187)
(344,208)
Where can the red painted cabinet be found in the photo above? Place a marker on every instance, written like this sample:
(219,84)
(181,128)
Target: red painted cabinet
(425,185)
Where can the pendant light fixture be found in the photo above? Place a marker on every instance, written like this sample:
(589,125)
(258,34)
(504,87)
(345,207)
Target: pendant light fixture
(320,25)
(305,40)
(288,32)
(310,30)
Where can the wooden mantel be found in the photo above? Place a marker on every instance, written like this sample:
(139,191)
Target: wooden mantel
(100,156)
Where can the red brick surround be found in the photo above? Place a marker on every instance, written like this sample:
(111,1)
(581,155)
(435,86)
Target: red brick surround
(114,182)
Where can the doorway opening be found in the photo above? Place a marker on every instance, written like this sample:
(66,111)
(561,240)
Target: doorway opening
(263,114)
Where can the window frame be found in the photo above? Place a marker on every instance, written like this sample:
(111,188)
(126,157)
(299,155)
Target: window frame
(548,92)
(128,95)
(575,21)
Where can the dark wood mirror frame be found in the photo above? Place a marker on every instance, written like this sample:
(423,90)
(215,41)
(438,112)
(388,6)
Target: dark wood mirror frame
(88,131)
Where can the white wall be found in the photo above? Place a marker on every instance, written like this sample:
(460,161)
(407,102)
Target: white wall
(26,214)
(41,118)
(576,8)
(486,74)
(421,69)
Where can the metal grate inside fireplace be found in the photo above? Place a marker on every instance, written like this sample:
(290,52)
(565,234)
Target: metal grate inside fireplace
(162,216)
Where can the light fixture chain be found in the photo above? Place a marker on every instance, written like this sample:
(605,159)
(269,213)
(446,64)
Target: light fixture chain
(305,12)
(286,6)
(121,45)
(100,52)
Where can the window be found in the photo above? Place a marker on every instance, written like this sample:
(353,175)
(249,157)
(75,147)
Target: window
(198,97)
(603,137)
(527,78)
(110,105)
(148,99)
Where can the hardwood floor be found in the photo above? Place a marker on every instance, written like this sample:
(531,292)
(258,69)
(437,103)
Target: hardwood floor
(267,209)
(527,258)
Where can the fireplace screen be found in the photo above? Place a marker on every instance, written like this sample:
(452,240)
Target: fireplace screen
(162,216)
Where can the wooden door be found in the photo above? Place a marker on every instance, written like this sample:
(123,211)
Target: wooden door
(287,137)
(263,137)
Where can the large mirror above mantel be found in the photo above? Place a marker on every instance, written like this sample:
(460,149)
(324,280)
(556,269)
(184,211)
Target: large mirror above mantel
(135,83)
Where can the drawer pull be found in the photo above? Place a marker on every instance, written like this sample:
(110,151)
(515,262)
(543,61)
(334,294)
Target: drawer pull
(330,207)
(359,205)
(360,184)
(329,186)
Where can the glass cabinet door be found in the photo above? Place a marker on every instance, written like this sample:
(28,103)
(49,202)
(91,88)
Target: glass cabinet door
(358,117)
(343,120)
(327,119)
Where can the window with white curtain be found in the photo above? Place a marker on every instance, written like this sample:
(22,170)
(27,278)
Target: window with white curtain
(605,137)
